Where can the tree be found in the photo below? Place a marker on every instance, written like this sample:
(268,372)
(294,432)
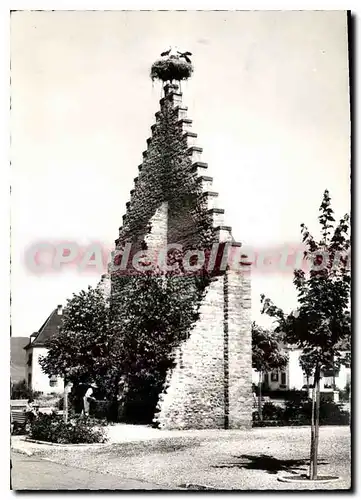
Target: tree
(154,314)
(20,390)
(321,325)
(84,349)
(128,343)
(267,355)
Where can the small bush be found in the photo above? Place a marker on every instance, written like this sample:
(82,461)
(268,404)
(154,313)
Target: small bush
(344,394)
(285,395)
(20,390)
(52,428)
(271,411)
(333,414)
(298,412)
(330,413)
(101,409)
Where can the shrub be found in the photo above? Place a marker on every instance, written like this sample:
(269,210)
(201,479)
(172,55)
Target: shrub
(298,409)
(286,395)
(100,409)
(330,413)
(52,428)
(298,412)
(271,411)
(20,390)
(344,394)
(333,414)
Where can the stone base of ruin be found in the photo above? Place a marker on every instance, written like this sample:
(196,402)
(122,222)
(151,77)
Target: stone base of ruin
(210,386)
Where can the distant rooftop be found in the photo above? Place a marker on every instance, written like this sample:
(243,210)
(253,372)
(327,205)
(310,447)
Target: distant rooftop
(47,330)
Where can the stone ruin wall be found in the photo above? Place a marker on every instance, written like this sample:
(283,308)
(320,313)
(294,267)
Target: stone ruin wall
(173,202)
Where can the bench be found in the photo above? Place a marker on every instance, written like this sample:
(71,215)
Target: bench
(18,414)
(18,403)
(18,420)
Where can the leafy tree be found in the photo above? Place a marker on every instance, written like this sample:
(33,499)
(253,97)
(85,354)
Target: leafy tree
(154,315)
(84,350)
(129,345)
(267,355)
(321,325)
(20,390)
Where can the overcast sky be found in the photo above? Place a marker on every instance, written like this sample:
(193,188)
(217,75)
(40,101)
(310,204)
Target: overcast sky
(268,99)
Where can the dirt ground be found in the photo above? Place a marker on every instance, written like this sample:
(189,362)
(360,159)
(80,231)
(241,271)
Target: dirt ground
(217,459)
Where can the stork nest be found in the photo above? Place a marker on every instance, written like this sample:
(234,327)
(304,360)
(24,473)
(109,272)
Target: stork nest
(171,68)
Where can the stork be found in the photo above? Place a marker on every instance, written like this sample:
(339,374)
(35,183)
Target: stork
(166,52)
(185,55)
(171,52)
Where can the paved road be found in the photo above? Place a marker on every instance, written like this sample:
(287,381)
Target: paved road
(33,473)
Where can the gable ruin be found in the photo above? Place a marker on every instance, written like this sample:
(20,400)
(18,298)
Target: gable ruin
(173,203)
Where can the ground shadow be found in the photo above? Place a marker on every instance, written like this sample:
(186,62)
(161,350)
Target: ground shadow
(267,463)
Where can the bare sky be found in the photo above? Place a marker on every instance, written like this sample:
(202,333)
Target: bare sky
(268,99)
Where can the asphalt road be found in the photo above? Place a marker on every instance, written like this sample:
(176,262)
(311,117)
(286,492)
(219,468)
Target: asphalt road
(34,473)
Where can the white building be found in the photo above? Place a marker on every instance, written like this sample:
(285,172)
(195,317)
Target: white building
(36,379)
(292,377)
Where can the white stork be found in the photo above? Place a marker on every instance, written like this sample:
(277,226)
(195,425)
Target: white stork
(171,52)
(185,55)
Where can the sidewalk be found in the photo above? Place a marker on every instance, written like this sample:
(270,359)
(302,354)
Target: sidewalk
(32,473)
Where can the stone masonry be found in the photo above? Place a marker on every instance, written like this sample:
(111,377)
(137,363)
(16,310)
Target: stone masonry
(173,202)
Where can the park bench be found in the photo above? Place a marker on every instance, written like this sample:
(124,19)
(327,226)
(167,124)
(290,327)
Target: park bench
(19,417)
(18,413)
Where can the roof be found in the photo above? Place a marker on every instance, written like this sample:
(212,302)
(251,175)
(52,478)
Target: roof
(47,330)
(18,358)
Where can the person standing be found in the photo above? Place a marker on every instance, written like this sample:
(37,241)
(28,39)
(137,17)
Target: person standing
(88,397)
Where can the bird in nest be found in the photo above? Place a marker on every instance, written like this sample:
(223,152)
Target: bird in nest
(173,53)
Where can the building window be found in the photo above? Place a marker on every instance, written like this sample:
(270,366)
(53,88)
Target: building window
(329,378)
(283,378)
(274,377)
(30,359)
(307,381)
(29,379)
(53,382)
(328,382)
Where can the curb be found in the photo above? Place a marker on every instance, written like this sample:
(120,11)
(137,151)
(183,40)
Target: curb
(66,445)
(23,452)
(285,479)
(197,487)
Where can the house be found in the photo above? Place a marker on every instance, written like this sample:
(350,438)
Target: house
(18,359)
(36,379)
(293,377)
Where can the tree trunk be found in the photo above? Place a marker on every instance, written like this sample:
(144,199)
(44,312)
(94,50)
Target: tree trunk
(312,430)
(349,400)
(260,396)
(113,415)
(315,423)
(65,403)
